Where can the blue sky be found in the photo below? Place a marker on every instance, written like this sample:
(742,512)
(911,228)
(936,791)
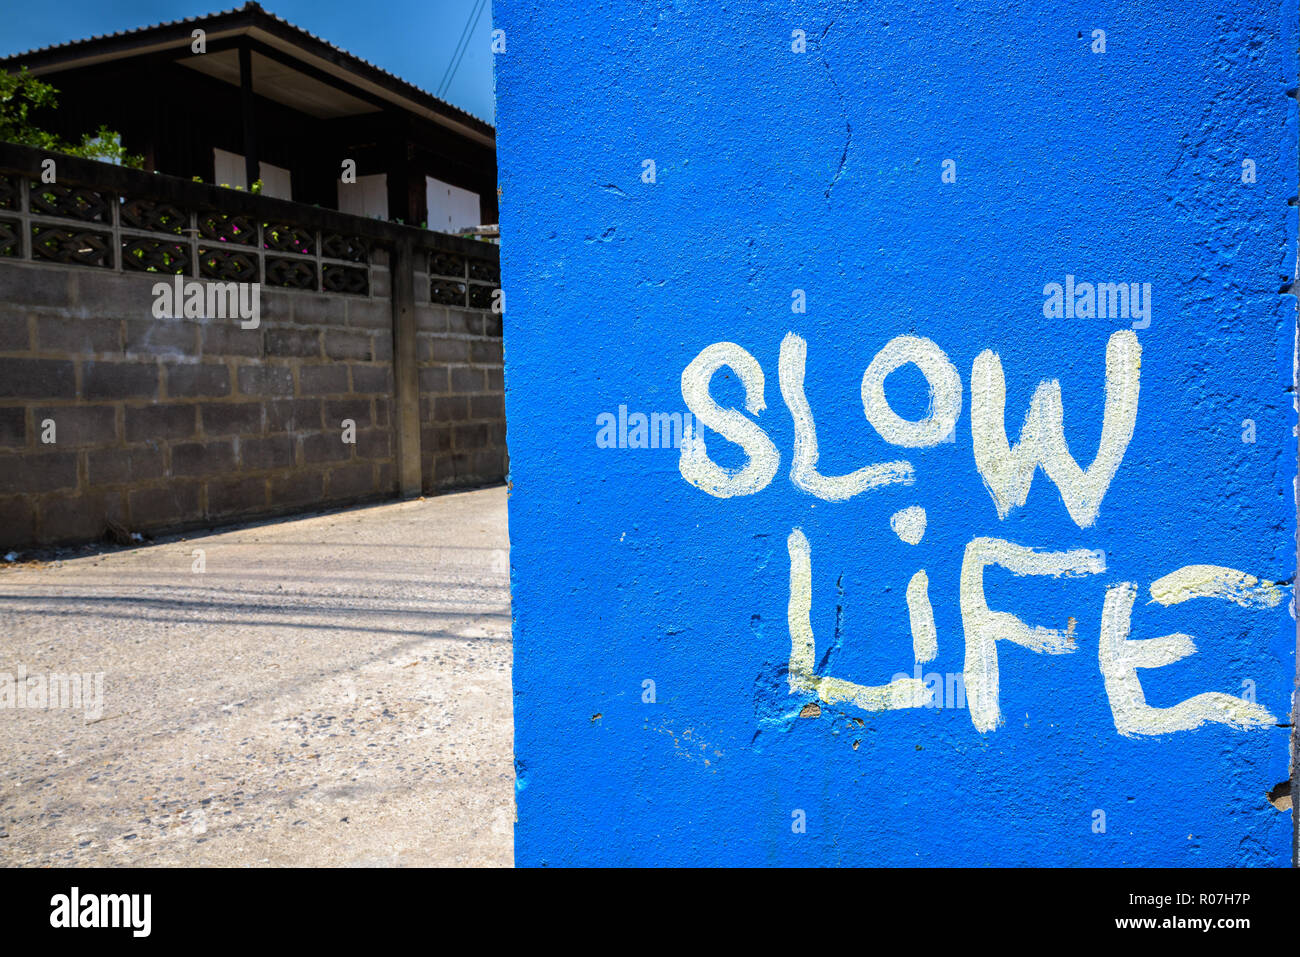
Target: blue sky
(414,39)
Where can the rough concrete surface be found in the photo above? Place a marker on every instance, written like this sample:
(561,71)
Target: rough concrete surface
(332,690)
(855,312)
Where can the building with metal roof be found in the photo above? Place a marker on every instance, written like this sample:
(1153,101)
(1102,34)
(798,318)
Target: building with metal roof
(243,95)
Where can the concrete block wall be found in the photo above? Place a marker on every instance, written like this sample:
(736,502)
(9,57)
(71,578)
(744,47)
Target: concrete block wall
(462,396)
(166,424)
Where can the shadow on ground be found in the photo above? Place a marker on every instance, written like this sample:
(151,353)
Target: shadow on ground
(333,690)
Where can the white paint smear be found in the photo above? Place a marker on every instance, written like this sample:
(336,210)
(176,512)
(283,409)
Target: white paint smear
(1120,657)
(909,524)
(1214,581)
(803,470)
(695,465)
(925,640)
(1008,472)
(944,381)
(984,627)
(899,693)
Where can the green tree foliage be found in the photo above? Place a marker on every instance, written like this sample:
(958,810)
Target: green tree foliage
(21,94)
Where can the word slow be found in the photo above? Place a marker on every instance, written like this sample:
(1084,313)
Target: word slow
(1007,470)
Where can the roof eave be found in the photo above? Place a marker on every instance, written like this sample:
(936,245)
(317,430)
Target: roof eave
(253,21)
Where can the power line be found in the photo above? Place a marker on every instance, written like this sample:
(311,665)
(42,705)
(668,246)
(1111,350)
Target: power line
(456,49)
(476,14)
(453,65)
(465,46)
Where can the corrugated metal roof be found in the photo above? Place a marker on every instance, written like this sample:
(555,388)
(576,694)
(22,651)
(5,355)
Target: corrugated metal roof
(257,9)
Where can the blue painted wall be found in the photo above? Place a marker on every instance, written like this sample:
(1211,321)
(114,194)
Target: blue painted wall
(821,170)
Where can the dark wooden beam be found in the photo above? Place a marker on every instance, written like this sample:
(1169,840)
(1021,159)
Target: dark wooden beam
(398,168)
(249,108)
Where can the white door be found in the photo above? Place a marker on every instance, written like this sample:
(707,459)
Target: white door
(276,181)
(368,196)
(229,169)
(451,208)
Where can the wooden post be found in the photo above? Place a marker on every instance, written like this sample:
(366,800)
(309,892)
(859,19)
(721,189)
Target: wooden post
(252,167)
(406,377)
(398,167)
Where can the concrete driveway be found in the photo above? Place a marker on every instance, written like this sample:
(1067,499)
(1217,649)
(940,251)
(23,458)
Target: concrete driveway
(333,690)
